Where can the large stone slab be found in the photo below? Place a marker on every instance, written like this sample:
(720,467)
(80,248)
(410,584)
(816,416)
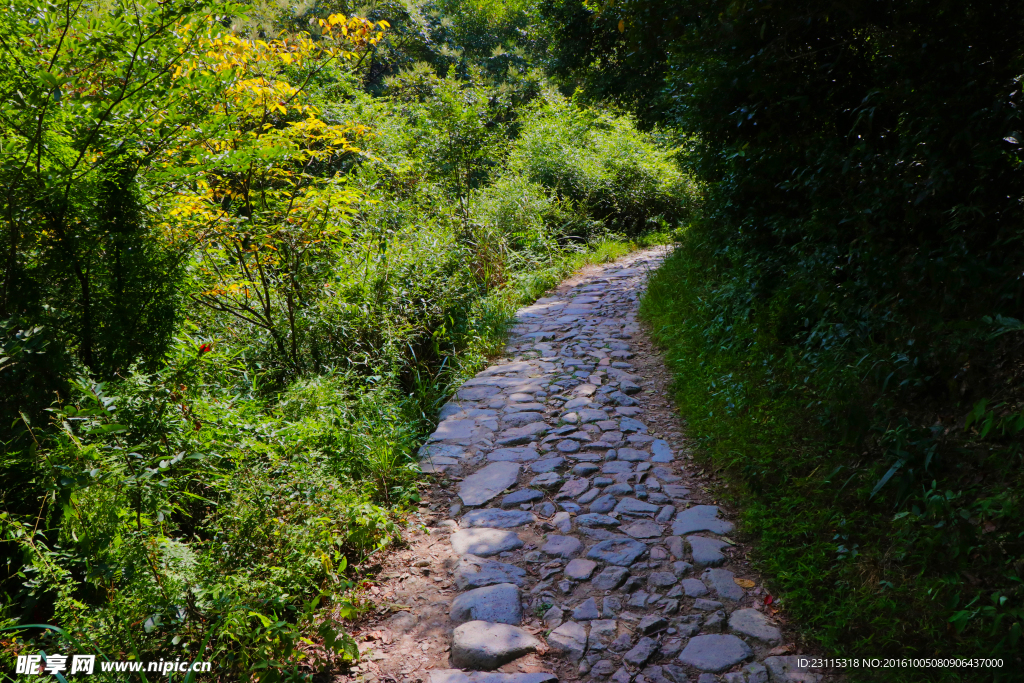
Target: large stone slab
(752,623)
(715,653)
(475,572)
(632,506)
(484,542)
(488,482)
(517,436)
(499,604)
(700,518)
(482,645)
(453,430)
(497,519)
(621,552)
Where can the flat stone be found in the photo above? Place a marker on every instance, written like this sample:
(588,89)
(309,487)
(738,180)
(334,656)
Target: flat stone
(475,572)
(585,469)
(652,623)
(547,465)
(751,673)
(545,509)
(548,480)
(517,436)
(458,676)
(562,546)
(567,446)
(665,514)
(674,491)
(715,653)
(621,399)
(641,652)
(611,606)
(662,452)
(628,424)
(622,675)
(631,506)
(484,542)
(632,455)
(661,579)
(593,519)
(694,588)
(605,503)
(563,522)
(488,482)
(705,605)
(707,552)
(454,430)
(477,393)
(723,582)
(482,645)
(497,519)
(665,474)
(586,610)
(788,670)
(616,467)
(603,667)
(553,617)
(573,488)
(610,578)
(519,419)
(644,529)
(602,632)
(580,569)
(621,552)
(700,518)
(499,604)
(569,640)
(518,454)
(675,546)
(521,496)
(752,623)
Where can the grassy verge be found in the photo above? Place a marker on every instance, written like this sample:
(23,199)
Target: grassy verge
(936,580)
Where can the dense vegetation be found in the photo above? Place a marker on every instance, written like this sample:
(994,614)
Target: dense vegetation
(844,316)
(247,250)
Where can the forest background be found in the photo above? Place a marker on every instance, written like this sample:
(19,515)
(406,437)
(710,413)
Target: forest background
(248,249)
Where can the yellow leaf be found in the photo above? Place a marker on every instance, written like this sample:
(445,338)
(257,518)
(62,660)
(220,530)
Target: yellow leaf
(744,583)
(622,25)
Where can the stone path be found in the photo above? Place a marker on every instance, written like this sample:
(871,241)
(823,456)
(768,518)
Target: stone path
(577,546)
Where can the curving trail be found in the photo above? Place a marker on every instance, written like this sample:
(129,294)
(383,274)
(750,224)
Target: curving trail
(578,543)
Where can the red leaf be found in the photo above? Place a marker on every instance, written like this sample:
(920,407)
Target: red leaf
(768,599)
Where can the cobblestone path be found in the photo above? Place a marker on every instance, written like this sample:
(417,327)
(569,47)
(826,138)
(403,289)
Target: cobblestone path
(577,545)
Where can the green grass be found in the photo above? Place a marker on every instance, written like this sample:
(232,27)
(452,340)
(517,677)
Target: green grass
(855,581)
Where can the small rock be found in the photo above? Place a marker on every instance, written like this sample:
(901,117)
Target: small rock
(586,611)
(715,622)
(562,546)
(631,506)
(652,623)
(547,465)
(553,617)
(521,496)
(787,670)
(665,514)
(714,653)
(694,588)
(610,607)
(661,579)
(723,582)
(592,519)
(621,675)
(707,552)
(752,623)
(621,644)
(589,497)
(610,578)
(641,652)
(603,504)
(675,546)
(569,640)
(580,569)
(563,522)
(706,605)
(680,568)
(661,450)
(638,599)
(545,509)
(621,552)
(482,645)
(585,469)
(644,529)
(572,488)
(604,667)
(700,518)
(548,480)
